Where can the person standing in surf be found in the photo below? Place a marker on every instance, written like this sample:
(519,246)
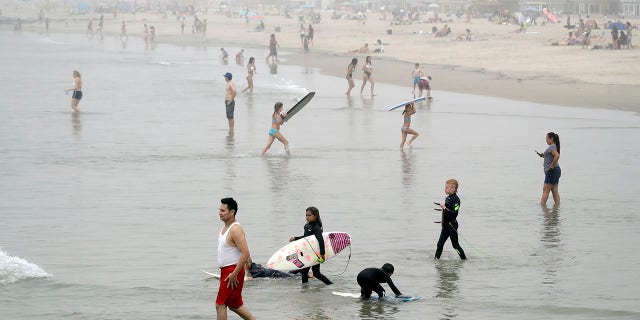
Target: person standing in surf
(370,279)
(416,74)
(409,109)
(449,221)
(273,49)
(77,91)
(313,227)
(233,253)
(368,71)
(277,119)
(350,69)
(229,100)
(251,70)
(551,168)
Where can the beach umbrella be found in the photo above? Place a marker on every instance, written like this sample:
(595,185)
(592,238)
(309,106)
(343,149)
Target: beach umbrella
(618,25)
(531,12)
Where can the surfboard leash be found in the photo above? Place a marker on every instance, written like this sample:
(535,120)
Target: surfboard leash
(469,243)
(347,265)
(321,260)
(314,252)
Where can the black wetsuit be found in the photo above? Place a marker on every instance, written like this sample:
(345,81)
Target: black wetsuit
(370,279)
(450,226)
(313,228)
(258,271)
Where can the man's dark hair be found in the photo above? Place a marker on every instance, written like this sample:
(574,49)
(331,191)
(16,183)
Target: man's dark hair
(387,267)
(231,204)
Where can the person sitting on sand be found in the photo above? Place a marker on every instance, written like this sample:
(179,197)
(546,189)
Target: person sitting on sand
(571,40)
(443,32)
(466,36)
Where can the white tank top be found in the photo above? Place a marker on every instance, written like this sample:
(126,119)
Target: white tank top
(227,255)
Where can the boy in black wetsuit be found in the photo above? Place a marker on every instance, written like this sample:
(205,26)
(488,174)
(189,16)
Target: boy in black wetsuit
(370,279)
(449,223)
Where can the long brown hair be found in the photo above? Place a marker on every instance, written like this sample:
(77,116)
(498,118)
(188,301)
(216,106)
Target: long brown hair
(556,139)
(316,213)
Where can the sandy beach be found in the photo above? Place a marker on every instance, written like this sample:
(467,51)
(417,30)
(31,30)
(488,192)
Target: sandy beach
(496,62)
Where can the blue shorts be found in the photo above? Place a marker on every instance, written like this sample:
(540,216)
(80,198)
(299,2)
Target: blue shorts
(416,80)
(552,176)
(273,132)
(77,94)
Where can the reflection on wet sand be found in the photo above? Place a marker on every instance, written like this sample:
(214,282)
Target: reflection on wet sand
(229,164)
(76,123)
(408,164)
(551,243)
(447,285)
(278,169)
(377,310)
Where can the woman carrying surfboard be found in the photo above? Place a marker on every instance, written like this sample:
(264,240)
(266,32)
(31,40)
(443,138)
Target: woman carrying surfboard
(276,121)
(313,227)
(409,109)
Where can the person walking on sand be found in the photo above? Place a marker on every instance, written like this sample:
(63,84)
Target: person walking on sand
(551,168)
(313,227)
(77,91)
(310,33)
(449,222)
(416,73)
(367,68)
(229,102)
(350,69)
(303,33)
(273,51)
(233,253)
(251,70)
(277,119)
(409,109)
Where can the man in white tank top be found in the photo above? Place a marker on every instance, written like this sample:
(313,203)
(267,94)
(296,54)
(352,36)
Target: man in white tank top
(233,253)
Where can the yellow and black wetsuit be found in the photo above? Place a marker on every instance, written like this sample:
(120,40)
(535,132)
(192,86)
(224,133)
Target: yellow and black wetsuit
(450,226)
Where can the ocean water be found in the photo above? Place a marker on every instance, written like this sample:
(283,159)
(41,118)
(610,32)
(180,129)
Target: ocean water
(112,213)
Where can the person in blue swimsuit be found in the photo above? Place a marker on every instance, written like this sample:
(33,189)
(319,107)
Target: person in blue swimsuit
(277,119)
(409,109)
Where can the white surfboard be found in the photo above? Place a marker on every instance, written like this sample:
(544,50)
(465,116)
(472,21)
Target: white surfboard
(212,275)
(217,275)
(403,298)
(405,103)
(305,252)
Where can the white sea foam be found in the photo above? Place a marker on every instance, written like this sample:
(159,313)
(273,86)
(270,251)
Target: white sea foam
(14,269)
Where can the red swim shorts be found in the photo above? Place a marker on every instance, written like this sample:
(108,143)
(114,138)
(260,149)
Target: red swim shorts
(227,296)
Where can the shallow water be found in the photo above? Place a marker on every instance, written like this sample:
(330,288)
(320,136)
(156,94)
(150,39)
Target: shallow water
(111,213)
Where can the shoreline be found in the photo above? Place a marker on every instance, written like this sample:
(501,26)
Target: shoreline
(538,87)
(481,82)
